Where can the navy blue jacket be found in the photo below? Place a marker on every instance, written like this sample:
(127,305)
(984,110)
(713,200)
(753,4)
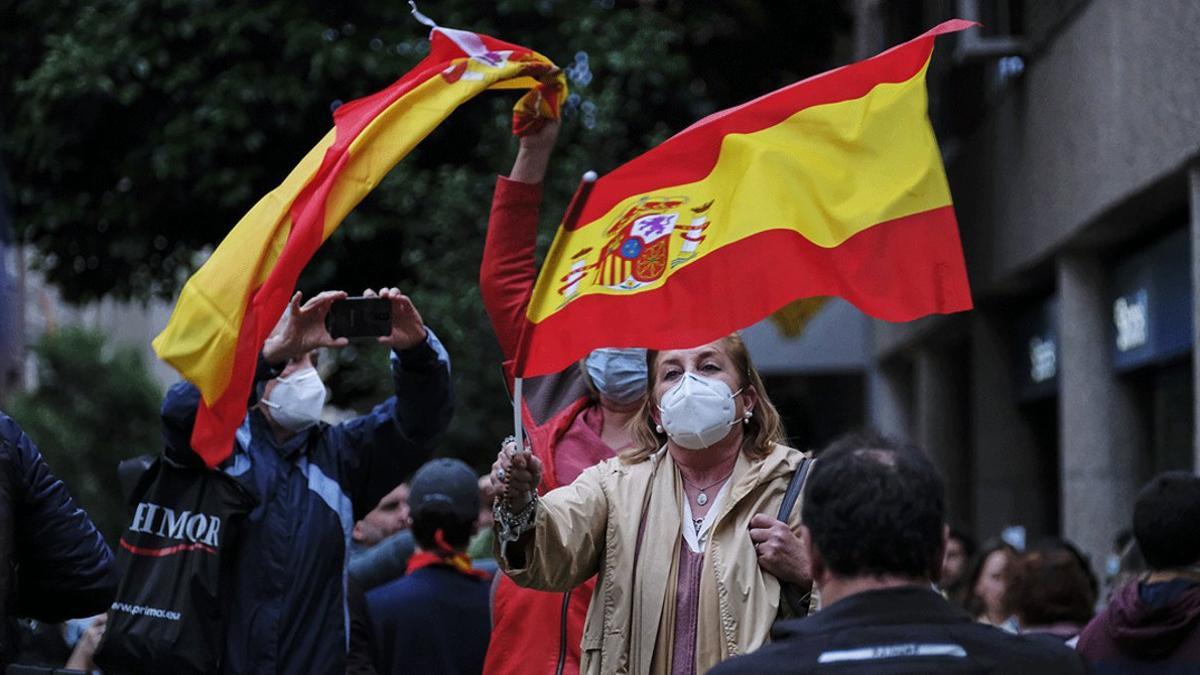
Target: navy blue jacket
(54,564)
(288,594)
(435,620)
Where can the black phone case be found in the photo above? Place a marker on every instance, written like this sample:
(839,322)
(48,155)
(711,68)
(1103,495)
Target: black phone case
(359,317)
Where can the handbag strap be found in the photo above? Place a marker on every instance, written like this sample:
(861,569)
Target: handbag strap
(796,597)
(795,485)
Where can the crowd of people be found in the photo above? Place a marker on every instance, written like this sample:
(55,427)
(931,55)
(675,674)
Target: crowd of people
(654,520)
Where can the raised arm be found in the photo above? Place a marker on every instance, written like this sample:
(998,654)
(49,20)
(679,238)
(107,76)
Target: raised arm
(378,449)
(507,274)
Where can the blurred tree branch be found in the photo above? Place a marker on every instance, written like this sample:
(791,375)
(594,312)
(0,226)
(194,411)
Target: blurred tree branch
(137,132)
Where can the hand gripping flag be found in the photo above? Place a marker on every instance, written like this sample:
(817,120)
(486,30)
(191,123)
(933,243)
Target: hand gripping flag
(229,306)
(832,186)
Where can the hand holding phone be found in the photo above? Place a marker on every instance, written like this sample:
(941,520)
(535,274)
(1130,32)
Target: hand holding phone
(408,330)
(358,317)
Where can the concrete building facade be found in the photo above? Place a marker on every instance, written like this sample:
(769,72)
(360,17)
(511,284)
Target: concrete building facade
(1071,132)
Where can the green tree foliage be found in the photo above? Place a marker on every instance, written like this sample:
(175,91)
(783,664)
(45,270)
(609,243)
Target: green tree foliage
(94,405)
(137,132)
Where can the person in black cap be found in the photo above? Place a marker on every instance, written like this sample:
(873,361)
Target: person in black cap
(435,619)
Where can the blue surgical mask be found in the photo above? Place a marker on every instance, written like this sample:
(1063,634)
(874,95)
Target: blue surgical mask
(619,374)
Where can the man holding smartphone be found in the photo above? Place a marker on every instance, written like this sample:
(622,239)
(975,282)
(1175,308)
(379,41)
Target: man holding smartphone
(313,481)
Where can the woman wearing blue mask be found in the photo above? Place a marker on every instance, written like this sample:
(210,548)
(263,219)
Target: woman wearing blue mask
(679,527)
(574,419)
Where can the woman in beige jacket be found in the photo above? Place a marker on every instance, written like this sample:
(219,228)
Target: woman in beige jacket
(681,531)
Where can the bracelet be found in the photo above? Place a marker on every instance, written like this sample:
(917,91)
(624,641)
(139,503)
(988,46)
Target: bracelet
(510,526)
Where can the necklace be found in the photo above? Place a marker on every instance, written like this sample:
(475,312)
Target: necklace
(701,498)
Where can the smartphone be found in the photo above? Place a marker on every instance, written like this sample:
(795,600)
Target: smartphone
(359,317)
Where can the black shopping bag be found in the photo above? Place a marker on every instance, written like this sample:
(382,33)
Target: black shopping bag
(169,613)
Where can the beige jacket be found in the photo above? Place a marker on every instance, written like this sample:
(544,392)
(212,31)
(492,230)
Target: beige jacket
(591,527)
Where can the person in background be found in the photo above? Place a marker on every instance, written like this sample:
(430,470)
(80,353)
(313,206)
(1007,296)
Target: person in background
(1051,590)
(959,549)
(389,516)
(360,657)
(1152,624)
(874,514)
(1122,543)
(987,583)
(382,541)
(681,530)
(289,608)
(1132,567)
(435,619)
(574,419)
(480,548)
(54,564)
(386,560)
(84,652)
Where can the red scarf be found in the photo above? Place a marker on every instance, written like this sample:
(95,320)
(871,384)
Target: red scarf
(444,555)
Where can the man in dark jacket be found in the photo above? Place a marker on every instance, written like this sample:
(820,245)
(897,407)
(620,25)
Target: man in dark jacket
(54,565)
(289,610)
(435,619)
(1153,624)
(874,532)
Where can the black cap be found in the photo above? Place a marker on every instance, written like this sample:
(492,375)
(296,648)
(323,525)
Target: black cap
(447,482)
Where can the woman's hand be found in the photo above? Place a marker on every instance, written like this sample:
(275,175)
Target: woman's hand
(779,549)
(516,474)
(534,156)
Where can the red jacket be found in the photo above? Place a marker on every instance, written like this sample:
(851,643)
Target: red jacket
(532,631)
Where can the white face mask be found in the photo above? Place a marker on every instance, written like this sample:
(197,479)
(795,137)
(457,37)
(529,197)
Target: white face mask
(297,400)
(698,411)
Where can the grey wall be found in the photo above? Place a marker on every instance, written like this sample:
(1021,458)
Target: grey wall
(1106,111)
(836,340)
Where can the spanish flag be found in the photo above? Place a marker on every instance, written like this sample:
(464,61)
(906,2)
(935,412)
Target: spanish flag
(832,186)
(229,306)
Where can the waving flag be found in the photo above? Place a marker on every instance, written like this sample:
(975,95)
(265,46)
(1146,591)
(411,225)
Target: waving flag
(832,186)
(230,305)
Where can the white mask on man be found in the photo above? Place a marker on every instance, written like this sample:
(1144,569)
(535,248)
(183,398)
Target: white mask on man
(297,400)
(698,411)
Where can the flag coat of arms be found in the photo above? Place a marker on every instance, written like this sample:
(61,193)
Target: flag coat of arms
(229,306)
(832,186)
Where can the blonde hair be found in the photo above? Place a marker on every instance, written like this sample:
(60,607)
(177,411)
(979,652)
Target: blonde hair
(763,430)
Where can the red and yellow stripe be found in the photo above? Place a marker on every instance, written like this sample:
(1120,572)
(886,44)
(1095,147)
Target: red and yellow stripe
(833,186)
(229,306)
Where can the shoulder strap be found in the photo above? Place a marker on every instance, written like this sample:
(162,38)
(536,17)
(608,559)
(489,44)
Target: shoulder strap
(794,488)
(795,597)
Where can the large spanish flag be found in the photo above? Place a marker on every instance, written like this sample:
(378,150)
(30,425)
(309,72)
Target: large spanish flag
(832,186)
(229,306)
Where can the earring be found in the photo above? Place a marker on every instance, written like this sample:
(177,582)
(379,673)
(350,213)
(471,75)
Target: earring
(747,416)
(658,428)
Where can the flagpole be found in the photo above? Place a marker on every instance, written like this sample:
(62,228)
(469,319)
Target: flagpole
(518,427)
(570,221)
(575,208)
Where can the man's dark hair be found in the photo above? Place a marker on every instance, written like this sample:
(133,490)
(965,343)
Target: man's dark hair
(876,507)
(1165,520)
(427,521)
